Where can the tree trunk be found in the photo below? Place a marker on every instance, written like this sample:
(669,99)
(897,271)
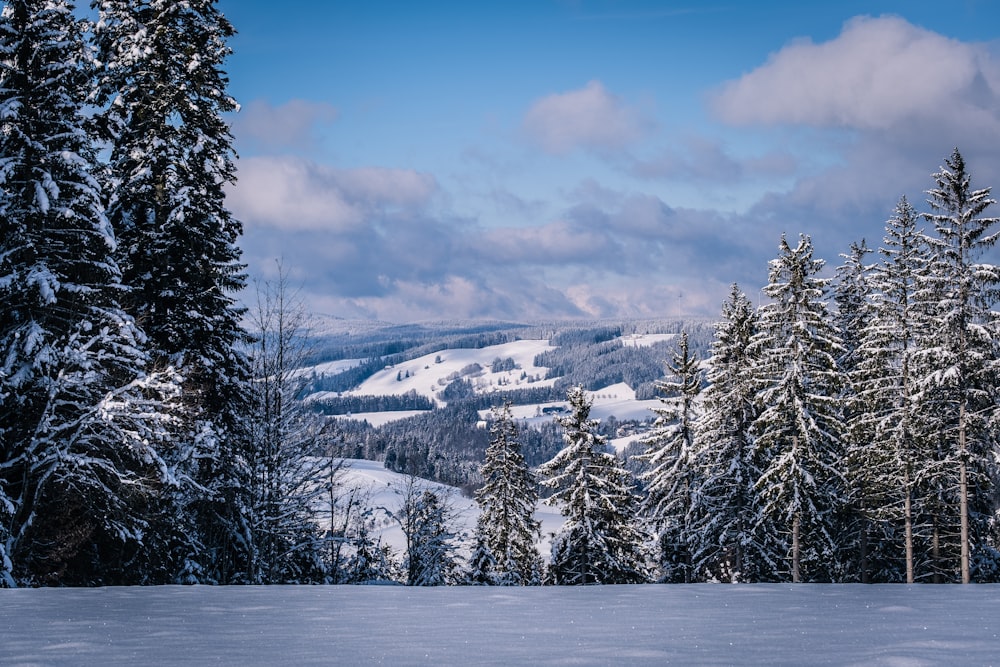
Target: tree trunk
(936,551)
(865,574)
(908,529)
(795,549)
(963,482)
(963,492)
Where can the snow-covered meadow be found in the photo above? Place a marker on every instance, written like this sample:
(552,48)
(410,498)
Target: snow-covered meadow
(428,375)
(891,625)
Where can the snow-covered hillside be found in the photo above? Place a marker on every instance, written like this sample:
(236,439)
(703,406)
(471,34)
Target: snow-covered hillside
(429,374)
(385,489)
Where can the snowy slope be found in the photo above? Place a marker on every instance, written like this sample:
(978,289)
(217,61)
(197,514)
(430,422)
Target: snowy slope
(429,374)
(329,367)
(385,490)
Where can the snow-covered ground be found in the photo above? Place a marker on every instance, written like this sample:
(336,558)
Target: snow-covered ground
(890,625)
(617,400)
(430,374)
(329,367)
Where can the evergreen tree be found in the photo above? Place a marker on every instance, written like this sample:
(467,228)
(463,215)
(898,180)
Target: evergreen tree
(170,158)
(887,452)
(598,543)
(724,502)
(483,566)
(82,421)
(372,561)
(672,474)
(507,530)
(798,432)
(430,558)
(868,545)
(959,363)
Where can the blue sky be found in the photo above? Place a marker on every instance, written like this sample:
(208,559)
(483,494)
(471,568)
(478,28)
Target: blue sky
(547,159)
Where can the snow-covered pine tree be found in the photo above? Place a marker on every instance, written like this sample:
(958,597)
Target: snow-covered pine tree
(670,455)
(507,530)
(372,562)
(82,424)
(164,93)
(723,506)
(799,430)
(869,545)
(599,543)
(483,566)
(885,461)
(430,560)
(959,363)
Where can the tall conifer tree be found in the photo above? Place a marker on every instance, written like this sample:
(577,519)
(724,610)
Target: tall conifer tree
(864,539)
(507,531)
(670,454)
(599,543)
(723,505)
(799,430)
(171,155)
(885,464)
(960,360)
(81,421)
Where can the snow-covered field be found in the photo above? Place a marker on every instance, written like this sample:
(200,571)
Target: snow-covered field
(429,374)
(891,625)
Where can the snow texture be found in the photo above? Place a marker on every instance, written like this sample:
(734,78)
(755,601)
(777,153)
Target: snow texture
(700,624)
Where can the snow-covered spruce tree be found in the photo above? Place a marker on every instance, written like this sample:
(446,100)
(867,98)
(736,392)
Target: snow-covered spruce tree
(888,453)
(482,564)
(82,424)
(372,561)
(289,472)
(869,545)
(670,455)
(430,560)
(798,432)
(506,531)
(599,543)
(163,93)
(959,362)
(723,505)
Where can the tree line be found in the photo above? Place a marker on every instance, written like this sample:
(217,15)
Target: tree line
(844,431)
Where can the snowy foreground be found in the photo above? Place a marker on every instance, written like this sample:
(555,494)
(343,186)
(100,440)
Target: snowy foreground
(685,625)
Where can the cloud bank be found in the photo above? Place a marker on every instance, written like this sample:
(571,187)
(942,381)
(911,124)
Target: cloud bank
(838,131)
(877,74)
(590,118)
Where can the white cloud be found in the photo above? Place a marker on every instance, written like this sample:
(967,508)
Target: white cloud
(879,72)
(292,125)
(590,118)
(295,194)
